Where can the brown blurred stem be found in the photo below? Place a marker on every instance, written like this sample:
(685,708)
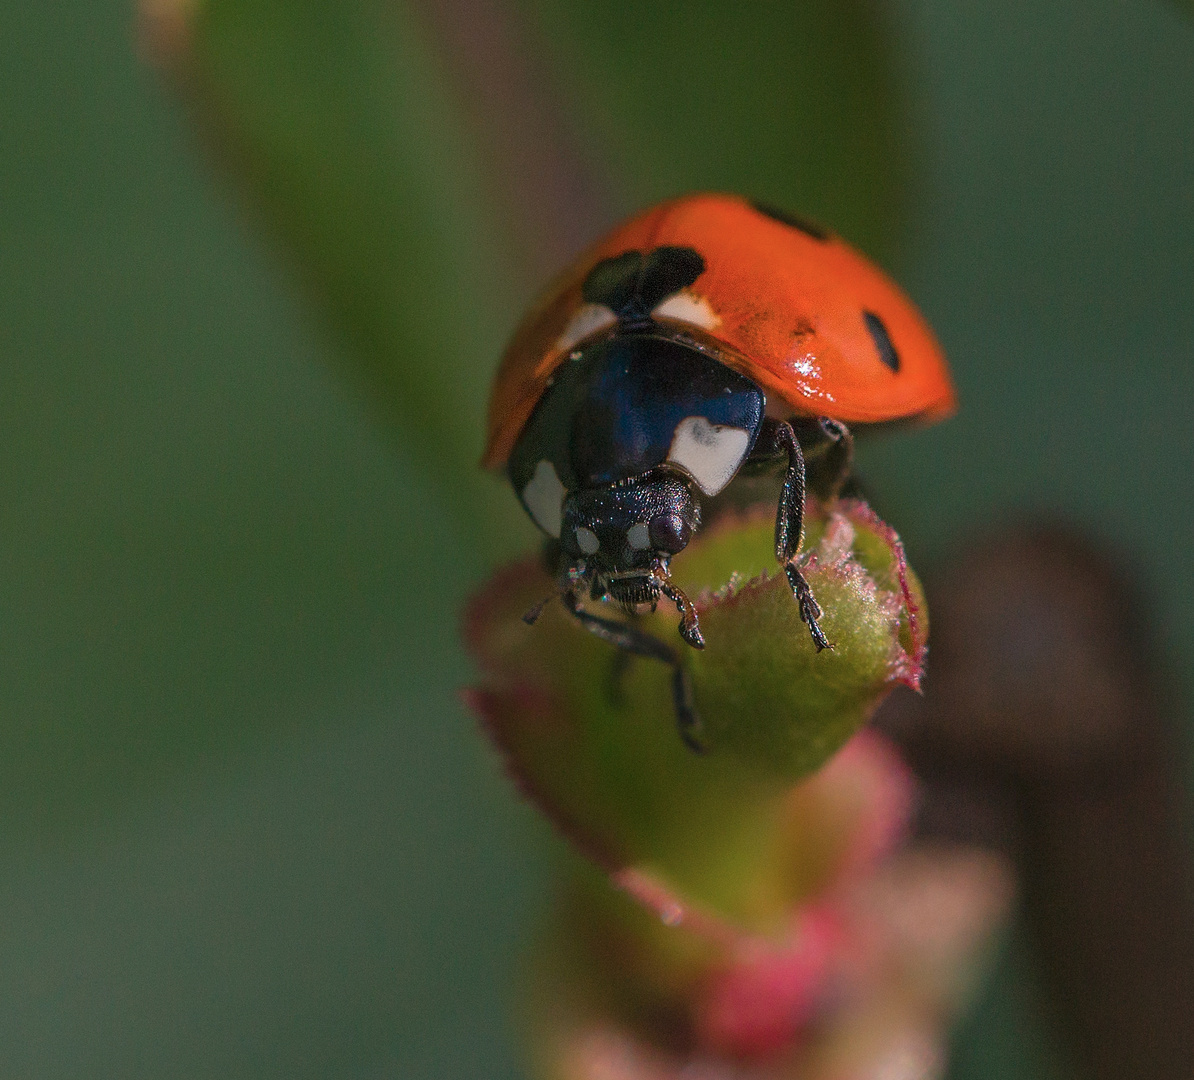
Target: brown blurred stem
(1044,730)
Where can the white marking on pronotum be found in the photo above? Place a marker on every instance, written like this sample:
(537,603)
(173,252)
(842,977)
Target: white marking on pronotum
(685,306)
(587,540)
(587,320)
(544,498)
(638,537)
(709,453)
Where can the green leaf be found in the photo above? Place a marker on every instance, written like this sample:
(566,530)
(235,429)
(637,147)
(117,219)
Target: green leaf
(339,124)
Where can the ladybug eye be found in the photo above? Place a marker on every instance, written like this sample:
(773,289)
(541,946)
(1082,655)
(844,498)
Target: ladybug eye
(670,533)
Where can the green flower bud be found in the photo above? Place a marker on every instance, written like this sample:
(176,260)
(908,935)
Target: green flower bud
(592,738)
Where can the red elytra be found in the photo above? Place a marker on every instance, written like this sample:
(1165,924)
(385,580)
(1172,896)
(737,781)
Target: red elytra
(788,303)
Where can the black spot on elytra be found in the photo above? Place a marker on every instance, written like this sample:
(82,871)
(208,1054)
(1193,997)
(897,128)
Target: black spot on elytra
(666,271)
(613,282)
(887,351)
(632,285)
(809,228)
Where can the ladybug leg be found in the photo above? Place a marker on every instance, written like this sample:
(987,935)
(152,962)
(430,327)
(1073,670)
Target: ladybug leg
(639,643)
(620,661)
(837,465)
(789,528)
(690,627)
(829,454)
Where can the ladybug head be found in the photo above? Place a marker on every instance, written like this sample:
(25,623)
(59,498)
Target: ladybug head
(625,531)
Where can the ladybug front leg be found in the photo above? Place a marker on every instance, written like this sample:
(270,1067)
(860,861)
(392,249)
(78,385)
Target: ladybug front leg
(789,527)
(690,626)
(639,643)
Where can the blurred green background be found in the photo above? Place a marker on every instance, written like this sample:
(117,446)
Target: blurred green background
(246,828)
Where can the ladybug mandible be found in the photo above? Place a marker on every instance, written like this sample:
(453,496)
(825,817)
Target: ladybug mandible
(703,335)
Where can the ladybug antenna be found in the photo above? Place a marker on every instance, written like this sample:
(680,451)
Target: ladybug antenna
(532,616)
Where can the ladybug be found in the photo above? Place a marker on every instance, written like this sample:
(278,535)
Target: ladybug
(706,334)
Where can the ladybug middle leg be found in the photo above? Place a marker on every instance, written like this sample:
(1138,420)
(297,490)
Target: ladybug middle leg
(639,643)
(828,449)
(615,677)
(777,438)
